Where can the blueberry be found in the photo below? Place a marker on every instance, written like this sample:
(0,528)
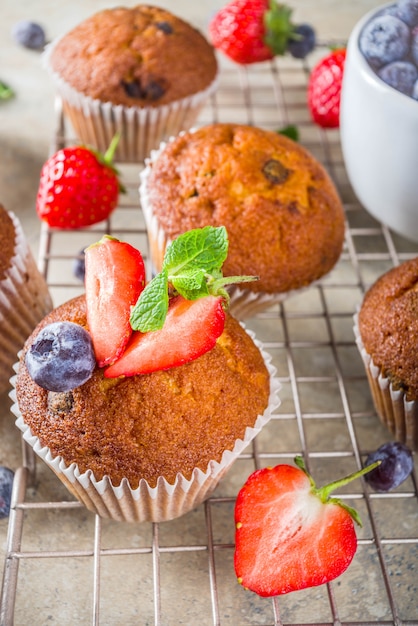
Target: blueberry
(392,10)
(61,357)
(401,75)
(303,43)
(384,39)
(414,45)
(29,34)
(6,485)
(407,11)
(397,464)
(79,266)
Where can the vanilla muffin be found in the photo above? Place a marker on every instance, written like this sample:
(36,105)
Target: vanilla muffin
(386,328)
(141,70)
(24,295)
(153,446)
(283,215)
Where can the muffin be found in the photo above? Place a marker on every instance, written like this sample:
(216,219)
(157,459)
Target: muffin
(283,215)
(24,295)
(386,329)
(153,446)
(140,71)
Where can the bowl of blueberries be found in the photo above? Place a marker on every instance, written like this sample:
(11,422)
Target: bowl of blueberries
(379,115)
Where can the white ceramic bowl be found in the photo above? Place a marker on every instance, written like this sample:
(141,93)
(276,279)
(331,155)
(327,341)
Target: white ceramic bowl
(379,138)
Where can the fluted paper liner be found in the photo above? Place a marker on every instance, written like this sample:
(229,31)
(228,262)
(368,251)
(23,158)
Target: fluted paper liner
(399,415)
(244,303)
(24,301)
(156,504)
(141,128)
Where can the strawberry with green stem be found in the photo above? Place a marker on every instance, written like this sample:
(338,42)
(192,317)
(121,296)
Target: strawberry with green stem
(78,187)
(252,31)
(291,534)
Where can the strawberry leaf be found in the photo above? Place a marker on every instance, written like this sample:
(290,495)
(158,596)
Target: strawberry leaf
(324,492)
(278,26)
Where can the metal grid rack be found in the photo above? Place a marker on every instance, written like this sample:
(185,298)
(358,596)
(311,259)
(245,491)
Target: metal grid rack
(64,565)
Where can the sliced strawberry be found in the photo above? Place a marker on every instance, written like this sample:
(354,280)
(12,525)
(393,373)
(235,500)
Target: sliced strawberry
(191,328)
(289,534)
(114,279)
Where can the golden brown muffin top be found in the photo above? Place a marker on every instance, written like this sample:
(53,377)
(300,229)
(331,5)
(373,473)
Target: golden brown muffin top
(7,241)
(388,324)
(139,56)
(150,425)
(283,215)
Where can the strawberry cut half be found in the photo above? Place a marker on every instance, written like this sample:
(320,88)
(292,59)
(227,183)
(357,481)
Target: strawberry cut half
(291,535)
(114,279)
(191,328)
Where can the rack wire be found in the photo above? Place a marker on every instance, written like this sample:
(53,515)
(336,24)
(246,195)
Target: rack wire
(64,565)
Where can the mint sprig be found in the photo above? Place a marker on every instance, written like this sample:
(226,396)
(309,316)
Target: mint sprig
(192,268)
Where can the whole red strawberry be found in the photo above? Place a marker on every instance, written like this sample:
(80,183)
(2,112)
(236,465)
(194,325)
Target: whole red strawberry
(324,89)
(250,31)
(78,187)
(290,534)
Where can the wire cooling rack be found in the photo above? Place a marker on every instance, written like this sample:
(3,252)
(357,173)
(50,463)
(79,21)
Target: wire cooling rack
(67,566)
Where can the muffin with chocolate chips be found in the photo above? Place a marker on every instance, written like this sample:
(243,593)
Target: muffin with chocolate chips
(283,215)
(140,70)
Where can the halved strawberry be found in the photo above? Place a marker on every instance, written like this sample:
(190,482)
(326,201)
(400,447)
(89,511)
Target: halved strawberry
(191,328)
(114,279)
(289,534)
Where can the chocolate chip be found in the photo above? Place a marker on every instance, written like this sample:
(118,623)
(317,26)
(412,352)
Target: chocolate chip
(165,27)
(154,90)
(132,88)
(275,172)
(151,91)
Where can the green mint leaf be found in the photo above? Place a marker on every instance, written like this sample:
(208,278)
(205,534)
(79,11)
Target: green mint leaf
(290,131)
(191,283)
(150,311)
(192,266)
(6,92)
(203,248)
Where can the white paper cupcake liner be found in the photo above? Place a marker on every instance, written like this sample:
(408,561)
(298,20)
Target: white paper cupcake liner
(399,415)
(244,303)
(141,128)
(24,301)
(154,504)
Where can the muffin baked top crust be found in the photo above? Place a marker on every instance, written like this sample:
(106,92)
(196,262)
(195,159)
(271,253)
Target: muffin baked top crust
(388,325)
(284,218)
(151,425)
(7,241)
(139,56)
